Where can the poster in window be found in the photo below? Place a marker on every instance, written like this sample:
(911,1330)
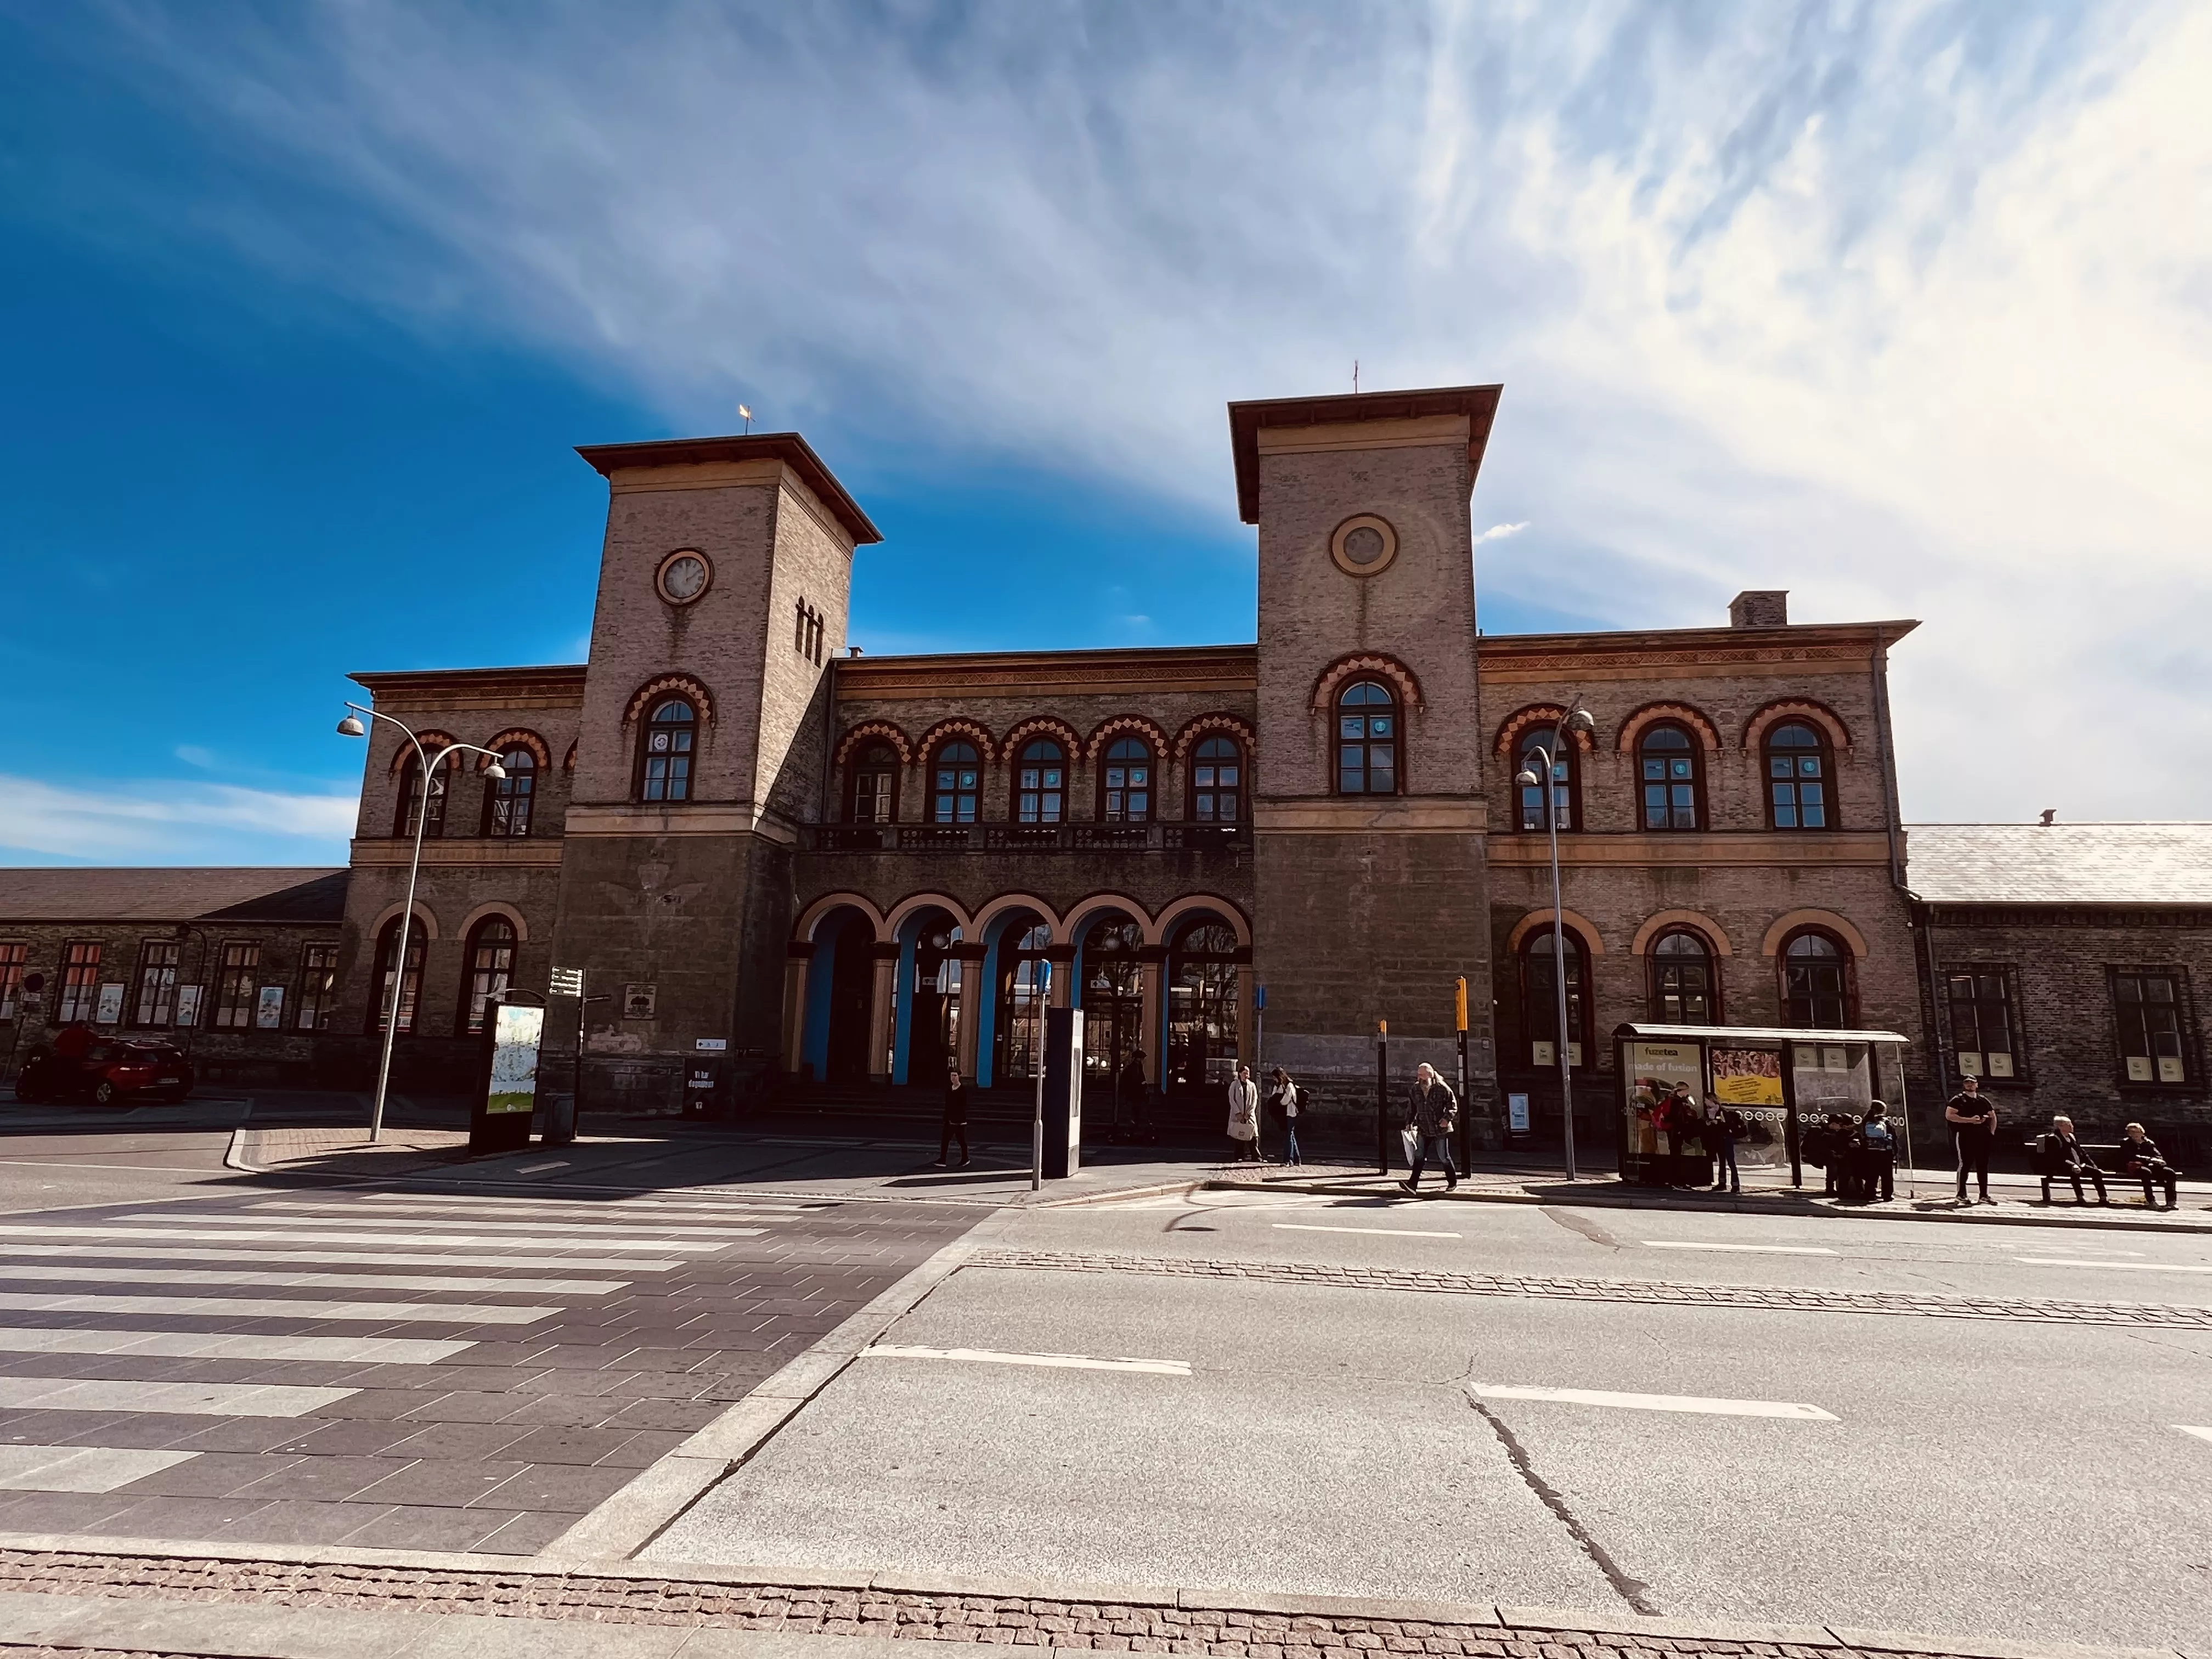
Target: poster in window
(2169,1069)
(1656,1070)
(1748,1076)
(188,1003)
(1999,1064)
(269,1010)
(2138,1068)
(110,1007)
(516,1030)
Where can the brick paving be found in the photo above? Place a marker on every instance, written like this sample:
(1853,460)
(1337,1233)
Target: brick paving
(2033,1310)
(500,1445)
(1163,1627)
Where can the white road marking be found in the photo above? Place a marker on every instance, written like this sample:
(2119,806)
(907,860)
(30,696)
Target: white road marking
(72,1394)
(253,1253)
(281,1233)
(1659,1402)
(1764,1250)
(151,1168)
(1068,1361)
(1392,1233)
(548,1229)
(544,1210)
(80,1469)
(213,1345)
(311,1281)
(254,1307)
(2202,1434)
(540,1168)
(2128,1266)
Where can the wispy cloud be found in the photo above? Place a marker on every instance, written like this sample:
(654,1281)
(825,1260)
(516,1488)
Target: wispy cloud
(152,822)
(1905,307)
(1498,532)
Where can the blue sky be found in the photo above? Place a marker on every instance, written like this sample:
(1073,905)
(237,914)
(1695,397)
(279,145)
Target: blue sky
(1907,309)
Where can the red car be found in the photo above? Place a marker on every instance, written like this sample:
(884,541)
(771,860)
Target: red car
(115,1074)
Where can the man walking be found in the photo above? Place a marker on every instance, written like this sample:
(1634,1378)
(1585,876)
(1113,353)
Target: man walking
(956,1120)
(1433,1116)
(1244,1116)
(1974,1121)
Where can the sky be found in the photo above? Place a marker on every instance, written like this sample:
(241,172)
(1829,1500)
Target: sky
(1905,307)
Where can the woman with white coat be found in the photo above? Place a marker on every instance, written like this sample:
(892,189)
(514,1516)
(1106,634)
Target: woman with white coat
(1244,1117)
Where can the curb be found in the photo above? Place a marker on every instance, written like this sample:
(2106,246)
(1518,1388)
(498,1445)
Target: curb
(268,1623)
(1600,1198)
(627,1522)
(233,1156)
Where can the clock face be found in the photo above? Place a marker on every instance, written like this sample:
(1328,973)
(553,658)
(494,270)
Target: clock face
(683,578)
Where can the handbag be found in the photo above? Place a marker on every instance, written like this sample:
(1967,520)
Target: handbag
(1412,1137)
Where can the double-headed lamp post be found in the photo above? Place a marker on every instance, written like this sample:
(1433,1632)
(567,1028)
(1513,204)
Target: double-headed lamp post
(1578,721)
(350,726)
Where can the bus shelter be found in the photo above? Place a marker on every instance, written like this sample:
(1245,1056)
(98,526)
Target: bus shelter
(1778,1079)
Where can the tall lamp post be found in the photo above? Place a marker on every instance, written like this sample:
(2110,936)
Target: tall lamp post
(1579,721)
(350,726)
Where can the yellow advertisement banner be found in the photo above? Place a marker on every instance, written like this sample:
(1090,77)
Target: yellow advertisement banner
(1748,1076)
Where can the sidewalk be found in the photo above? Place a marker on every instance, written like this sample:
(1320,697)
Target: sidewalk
(116,1595)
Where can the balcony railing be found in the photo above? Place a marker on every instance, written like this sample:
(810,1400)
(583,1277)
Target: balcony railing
(1027,837)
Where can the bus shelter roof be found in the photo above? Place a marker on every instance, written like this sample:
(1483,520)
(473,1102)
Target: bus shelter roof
(1750,1034)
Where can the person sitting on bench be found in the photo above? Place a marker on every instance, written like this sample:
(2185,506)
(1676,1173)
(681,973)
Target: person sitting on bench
(2141,1159)
(2061,1155)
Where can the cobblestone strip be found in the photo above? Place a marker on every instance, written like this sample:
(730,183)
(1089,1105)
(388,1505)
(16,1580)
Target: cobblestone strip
(2032,1310)
(1003,1621)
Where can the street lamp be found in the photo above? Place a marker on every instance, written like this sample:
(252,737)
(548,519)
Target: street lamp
(1578,721)
(350,726)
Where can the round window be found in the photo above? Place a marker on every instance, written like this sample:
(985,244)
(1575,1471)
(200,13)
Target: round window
(1365,545)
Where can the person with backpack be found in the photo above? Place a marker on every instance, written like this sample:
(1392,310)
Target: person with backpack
(1877,1150)
(1724,1127)
(1285,1098)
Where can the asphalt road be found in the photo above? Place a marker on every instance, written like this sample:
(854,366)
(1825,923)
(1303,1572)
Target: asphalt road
(2002,1475)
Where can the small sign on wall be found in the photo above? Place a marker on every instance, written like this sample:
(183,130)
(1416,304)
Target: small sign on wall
(638,1000)
(1517,1115)
(110,1008)
(188,1005)
(269,1010)
(711,1045)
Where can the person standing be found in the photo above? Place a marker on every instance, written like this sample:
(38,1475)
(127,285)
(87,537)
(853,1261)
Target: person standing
(1973,1120)
(1724,1127)
(1132,1090)
(2060,1154)
(2140,1159)
(1284,1099)
(956,1120)
(1433,1116)
(1244,1117)
(1877,1147)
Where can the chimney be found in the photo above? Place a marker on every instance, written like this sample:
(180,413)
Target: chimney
(1760,607)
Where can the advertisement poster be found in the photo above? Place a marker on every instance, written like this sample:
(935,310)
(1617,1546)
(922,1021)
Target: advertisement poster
(268,1011)
(1655,1070)
(1748,1076)
(188,1005)
(1517,1115)
(111,1006)
(516,1031)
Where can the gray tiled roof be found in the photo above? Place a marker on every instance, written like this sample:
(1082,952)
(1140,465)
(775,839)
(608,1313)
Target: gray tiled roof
(2061,863)
(80,894)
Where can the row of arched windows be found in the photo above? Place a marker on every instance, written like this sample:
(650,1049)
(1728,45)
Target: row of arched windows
(1796,765)
(487,969)
(1815,982)
(1125,790)
(505,809)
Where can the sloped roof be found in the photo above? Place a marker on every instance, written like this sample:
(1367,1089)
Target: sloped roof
(2149,864)
(225,893)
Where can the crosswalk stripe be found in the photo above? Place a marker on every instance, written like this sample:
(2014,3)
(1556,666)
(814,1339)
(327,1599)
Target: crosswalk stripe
(77,1393)
(253,1253)
(277,1233)
(1658,1402)
(541,1217)
(19,1273)
(216,1345)
(254,1307)
(581,1206)
(80,1469)
(2201,1433)
(549,1230)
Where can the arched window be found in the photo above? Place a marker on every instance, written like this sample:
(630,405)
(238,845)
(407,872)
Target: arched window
(1217,780)
(954,780)
(1041,783)
(1024,980)
(1125,782)
(1540,1000)
(491,969)
(666,773)
(1683,989)
(1113,997)
(410,800)
(1531,795)
(387,947)
(1797,778)
(508,801)
(1202,1011)
(1816,983)
(871,785)
(1366,739)
(1667,766)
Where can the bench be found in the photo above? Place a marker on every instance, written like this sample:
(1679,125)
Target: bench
(2105,1161)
